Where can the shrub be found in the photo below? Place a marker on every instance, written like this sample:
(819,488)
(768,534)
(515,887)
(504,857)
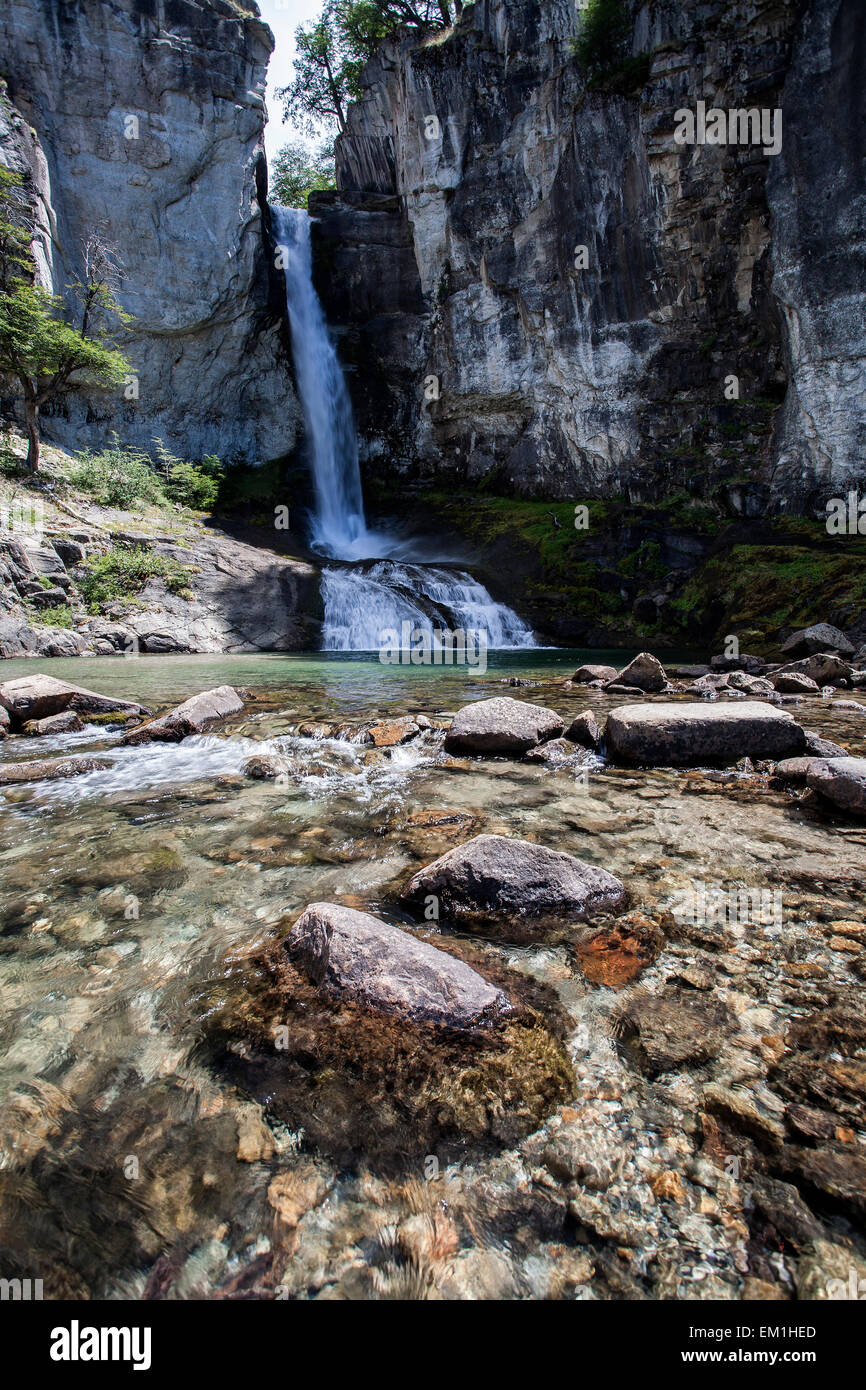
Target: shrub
(123,573)
(117,477)
(53,617)
(194,485)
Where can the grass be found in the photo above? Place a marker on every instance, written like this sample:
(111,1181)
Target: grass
(52,617)
(122,573)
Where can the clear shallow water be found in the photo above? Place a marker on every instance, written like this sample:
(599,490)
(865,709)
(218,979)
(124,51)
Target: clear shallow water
(126,893)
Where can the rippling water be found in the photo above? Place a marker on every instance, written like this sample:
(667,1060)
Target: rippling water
(127,893)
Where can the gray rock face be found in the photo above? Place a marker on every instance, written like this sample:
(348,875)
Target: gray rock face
(501,725)
(148,123)
(192,717)
(824,668)
(357,957)
(584,730)
(821,637)
(494,876)
(794,683)
(823,747)
(680,734)
(38,696)
(584,674)
(558,374)
(645,672)
(842,781)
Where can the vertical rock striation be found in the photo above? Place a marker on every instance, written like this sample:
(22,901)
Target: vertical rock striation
(143,119)
(455,256)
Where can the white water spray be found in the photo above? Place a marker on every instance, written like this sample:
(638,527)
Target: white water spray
(363,601)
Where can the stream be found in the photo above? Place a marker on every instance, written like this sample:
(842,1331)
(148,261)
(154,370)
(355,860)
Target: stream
(137,1160)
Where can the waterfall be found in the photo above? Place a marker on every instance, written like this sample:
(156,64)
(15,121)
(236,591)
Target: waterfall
(383,588)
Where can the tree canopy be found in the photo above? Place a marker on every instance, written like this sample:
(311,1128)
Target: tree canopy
(332,51)
(296,172)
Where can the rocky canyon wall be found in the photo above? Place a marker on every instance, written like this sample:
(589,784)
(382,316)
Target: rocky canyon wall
(454,255)
(142,120)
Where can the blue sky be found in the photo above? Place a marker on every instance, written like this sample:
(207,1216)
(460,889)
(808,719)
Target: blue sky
(283,17)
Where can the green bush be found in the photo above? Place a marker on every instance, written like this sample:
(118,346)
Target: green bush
(123,573)
(194,485)
(117,477)
(53,617)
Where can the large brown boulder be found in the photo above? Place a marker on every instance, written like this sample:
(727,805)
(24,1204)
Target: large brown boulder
(192,717)
(825,668)
(494,877)
(355,956)
(38,696)
(679,734)
(501,725)
(584,674)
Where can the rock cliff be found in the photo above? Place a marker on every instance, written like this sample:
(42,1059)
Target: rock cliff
(452,252)
(143,119)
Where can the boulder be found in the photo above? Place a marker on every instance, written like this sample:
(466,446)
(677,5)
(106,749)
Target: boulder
(49,770)
(388,733)
(841,781)
(264,767)
(794,769)
(584,674)
(501,725)
(674,1030)
(744,662)
(355,956)
(555,751)
(794,683)
(645,672)
(65,723)
(192,717)
(825,668)
(750,685)
(5,721)
(38,696)
(680,734)
(821,637)
(584,730)
(494,876)
(820,747)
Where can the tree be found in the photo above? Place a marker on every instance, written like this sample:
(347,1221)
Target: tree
(296,172)
(40,352)
(332,53)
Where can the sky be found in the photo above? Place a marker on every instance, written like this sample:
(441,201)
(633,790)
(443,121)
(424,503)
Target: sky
(283,18)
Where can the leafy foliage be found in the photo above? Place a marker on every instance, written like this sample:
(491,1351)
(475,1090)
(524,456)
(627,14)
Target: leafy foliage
(332,51)
(117,477)
(122,573)
(296,173)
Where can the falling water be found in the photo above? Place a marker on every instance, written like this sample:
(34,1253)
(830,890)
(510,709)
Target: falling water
(383,588)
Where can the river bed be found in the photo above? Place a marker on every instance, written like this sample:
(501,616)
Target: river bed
(135,1164)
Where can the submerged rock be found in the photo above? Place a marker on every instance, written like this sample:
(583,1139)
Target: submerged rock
(264,767)
(666,1032)
(840,780)
(49,770)
(38,697)
(356,956)
(192,717)
(501,725)
(679,734)
(494,878)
